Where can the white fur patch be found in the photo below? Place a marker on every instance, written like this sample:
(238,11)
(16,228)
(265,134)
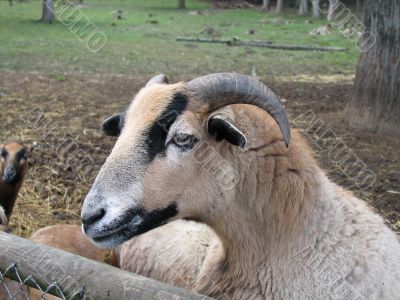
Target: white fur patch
(117,204)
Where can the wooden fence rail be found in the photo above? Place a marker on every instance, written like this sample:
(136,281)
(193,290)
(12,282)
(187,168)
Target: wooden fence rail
(72,272)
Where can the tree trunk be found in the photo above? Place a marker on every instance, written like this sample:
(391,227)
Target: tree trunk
(181,4)
(265,5)
(376,102)
(303,8)
(279,6)
(48,11)
(316,14)
(332,7)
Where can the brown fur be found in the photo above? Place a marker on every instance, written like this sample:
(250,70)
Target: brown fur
(68,238)
(287,182)
(9,191)
(14,288)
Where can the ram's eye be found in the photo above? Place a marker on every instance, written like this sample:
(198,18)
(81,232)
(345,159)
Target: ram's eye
(4,153)
(184,141)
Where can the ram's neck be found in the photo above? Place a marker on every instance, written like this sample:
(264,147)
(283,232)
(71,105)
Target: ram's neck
(272,215)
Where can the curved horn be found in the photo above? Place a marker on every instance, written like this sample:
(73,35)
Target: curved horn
(221,89)
(158,79)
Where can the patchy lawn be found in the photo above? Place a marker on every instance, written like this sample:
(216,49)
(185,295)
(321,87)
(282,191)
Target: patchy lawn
(143,42)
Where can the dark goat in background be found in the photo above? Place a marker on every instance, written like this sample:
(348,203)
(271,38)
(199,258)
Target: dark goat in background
(13,168)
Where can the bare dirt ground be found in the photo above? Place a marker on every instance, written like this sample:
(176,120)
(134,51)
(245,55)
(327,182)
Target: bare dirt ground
(63,115)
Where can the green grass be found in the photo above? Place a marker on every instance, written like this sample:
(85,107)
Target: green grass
(135,45)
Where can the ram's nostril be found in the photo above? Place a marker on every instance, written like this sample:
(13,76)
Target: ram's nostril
(97,215)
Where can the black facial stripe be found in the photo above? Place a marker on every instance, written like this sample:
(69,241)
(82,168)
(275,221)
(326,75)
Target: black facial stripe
(157,134)
(157,217)
(21,153)
(7,205)
(150,220)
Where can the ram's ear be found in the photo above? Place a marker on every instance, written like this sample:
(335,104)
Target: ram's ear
(223,129)
(158,79)
(113,125)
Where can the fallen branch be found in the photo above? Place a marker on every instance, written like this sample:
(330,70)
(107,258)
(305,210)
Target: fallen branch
(264,44)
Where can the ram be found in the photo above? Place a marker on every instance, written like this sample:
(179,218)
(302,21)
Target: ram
(286,230)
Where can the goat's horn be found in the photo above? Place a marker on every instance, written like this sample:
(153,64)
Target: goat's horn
(158,79)
(221,89)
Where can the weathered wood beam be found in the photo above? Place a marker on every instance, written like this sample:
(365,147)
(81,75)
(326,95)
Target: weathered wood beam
(72,272)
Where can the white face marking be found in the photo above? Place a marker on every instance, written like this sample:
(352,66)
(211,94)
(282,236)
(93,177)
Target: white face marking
(174,154)
(117,206)
(118,203)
